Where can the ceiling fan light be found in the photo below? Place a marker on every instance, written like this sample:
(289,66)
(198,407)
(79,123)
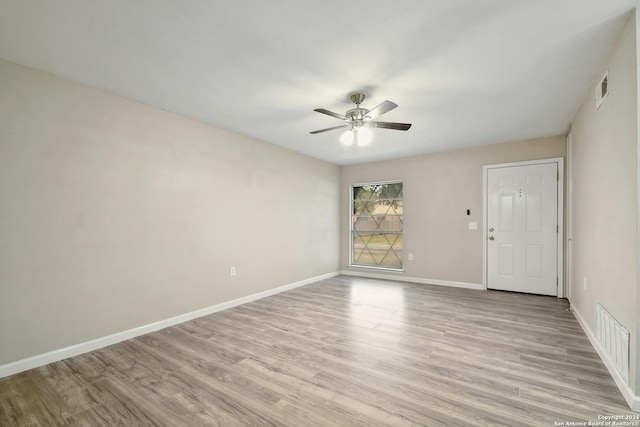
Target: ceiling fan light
(347,138)
(364,136)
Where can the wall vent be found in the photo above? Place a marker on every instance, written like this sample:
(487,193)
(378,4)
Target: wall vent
(602,90)
(614,338)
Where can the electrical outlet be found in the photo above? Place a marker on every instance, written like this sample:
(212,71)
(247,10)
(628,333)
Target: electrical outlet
(410,257)
(232,271)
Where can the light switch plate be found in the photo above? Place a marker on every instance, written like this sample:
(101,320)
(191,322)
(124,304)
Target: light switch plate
(473,225)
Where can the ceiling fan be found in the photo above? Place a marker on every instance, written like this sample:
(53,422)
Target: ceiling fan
(359,120)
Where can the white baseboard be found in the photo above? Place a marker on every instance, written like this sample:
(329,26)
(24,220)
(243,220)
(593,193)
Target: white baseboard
(74,350)
(632,400)
(399,278)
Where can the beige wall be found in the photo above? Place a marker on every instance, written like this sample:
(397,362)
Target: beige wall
(438,190)
(604,183)
(114,214)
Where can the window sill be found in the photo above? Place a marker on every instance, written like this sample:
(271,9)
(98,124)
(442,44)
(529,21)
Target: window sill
(381,269)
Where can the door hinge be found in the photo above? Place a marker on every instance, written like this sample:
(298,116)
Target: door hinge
(557,228)
(557,176)
(557,285)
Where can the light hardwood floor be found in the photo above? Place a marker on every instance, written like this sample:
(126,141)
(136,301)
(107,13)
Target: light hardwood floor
(340,352)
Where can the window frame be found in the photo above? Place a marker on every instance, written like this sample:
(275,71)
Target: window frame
(351,230)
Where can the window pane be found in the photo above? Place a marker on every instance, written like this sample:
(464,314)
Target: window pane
(377,225)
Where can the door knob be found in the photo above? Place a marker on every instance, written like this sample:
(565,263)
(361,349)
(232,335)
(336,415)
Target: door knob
(490,237)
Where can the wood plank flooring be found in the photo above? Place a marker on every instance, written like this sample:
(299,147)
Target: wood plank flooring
(340,352)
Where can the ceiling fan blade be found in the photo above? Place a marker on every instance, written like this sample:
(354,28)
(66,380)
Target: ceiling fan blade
(331,113)
(382,108)
(390,125)
(328,129)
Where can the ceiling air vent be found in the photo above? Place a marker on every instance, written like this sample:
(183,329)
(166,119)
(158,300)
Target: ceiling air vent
(602,90)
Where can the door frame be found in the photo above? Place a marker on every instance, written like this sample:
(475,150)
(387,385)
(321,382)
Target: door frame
(568,260)
(560,240)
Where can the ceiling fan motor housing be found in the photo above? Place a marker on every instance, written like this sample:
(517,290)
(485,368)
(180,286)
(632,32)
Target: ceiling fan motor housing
(357,116)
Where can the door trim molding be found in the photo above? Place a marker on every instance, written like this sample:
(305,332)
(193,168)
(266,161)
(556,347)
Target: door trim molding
(568,238)
(560,240)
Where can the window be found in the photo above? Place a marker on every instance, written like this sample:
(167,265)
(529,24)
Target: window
(376,225)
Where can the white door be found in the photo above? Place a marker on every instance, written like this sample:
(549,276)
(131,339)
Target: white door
(522,228)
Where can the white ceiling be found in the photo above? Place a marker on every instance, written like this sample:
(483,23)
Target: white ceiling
(464,72)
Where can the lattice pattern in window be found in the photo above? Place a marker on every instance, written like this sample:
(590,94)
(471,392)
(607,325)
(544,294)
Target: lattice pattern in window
(376,225)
